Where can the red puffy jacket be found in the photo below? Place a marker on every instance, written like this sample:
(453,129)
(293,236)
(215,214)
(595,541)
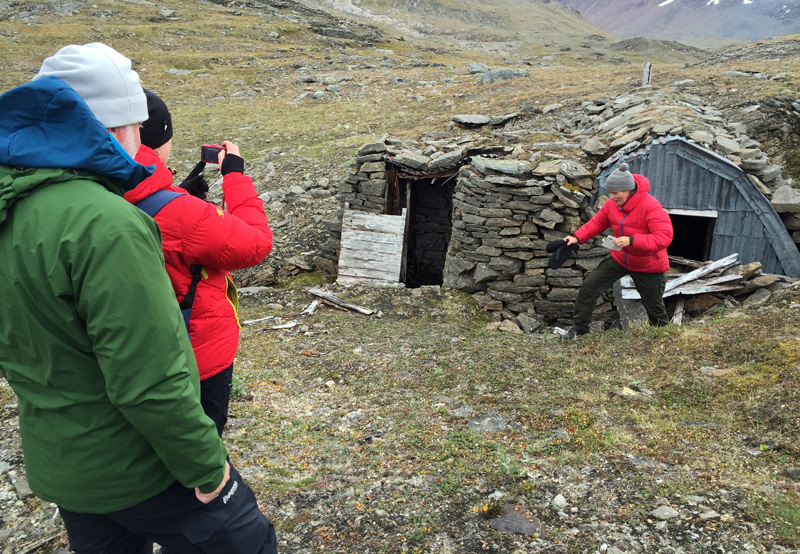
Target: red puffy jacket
(644,220)
(194,231)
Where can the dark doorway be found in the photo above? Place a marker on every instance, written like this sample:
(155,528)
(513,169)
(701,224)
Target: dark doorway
(692,236)
(428,230)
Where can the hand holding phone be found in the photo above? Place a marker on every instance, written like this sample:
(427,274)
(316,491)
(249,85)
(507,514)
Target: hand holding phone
(209,153)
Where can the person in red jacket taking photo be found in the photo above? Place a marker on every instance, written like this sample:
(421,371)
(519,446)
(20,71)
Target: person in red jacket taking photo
(204,241)
(642,232)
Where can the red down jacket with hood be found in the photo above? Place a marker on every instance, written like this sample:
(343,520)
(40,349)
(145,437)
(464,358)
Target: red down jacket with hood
(644,220)
(194,231)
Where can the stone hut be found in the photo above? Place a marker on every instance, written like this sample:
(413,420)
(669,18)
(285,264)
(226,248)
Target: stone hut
(475,212)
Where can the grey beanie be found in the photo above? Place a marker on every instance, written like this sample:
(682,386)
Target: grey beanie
(103,78)
(621,179)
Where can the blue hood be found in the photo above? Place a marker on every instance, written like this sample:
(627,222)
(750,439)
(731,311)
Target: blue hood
(45,123)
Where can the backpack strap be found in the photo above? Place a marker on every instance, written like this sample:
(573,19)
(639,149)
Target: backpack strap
(188,300)
(151,205)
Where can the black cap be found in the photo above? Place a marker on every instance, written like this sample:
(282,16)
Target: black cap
(157,130)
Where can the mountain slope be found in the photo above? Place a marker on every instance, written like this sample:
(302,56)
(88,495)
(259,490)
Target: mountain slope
(691,19)
(535,21)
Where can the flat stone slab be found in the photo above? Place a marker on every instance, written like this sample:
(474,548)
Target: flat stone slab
(516,518)
(488,422)
(471,120)
(510,167)
(664,512)
(549,168)
(502,74)
(786,199)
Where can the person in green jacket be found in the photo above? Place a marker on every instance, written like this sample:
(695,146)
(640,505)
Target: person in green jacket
(91,338)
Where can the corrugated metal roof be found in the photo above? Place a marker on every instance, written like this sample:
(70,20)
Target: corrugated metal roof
(684,175)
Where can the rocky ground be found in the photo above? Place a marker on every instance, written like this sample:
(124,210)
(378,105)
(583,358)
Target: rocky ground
(418,428)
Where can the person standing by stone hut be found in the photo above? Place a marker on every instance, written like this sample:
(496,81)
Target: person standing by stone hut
(642,233)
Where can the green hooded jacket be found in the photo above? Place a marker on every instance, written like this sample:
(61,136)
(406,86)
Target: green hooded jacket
(94,344)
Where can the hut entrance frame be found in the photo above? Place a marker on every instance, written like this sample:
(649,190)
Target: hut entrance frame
(428,204)
(693,233)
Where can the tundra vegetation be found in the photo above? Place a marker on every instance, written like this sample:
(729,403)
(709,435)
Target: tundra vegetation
(357,432)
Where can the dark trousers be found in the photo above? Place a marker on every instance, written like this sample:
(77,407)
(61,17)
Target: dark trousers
(649,285)
(215,396)
(175,519)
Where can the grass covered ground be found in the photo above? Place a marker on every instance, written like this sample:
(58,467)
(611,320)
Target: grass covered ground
(349,417)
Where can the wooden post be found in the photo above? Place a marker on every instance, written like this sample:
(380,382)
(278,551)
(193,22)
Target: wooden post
(648,67)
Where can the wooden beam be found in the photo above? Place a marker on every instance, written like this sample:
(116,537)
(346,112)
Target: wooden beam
(331,298)
(724,263)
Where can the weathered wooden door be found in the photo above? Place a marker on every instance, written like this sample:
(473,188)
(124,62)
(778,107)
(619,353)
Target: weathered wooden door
(372,247)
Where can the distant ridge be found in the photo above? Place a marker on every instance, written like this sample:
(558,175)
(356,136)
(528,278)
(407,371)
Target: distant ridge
(691,20)
(545,22)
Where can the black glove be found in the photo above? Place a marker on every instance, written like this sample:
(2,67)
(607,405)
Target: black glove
(195,184)
(231,163)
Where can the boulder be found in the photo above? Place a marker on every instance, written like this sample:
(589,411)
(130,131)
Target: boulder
(496,75)
(468,120)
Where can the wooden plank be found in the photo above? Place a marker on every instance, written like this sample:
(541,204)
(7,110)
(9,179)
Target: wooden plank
(685,262)
(699,288)
(368,273)
(687,288)
(694,213)
(677,317)
(376,227)
(371,240)
(702,289)
(364,257)
(376,222)
(387,247)
(697,273)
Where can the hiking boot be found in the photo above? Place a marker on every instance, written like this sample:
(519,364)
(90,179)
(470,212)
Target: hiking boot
(574,334)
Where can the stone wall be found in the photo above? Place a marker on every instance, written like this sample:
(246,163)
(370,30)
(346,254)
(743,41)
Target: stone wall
(504,214)
(364,188)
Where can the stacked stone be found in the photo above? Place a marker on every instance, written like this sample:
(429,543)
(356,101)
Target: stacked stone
(504,214)
(624,124)
(364,188)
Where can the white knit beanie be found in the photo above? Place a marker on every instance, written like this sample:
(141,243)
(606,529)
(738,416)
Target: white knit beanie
(104,79)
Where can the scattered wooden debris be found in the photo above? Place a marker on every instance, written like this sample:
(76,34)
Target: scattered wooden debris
(340,303)
(703,286)
(712,269)
(27,549)
(311,309)
(287,325)
(259,320)
(707,278)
